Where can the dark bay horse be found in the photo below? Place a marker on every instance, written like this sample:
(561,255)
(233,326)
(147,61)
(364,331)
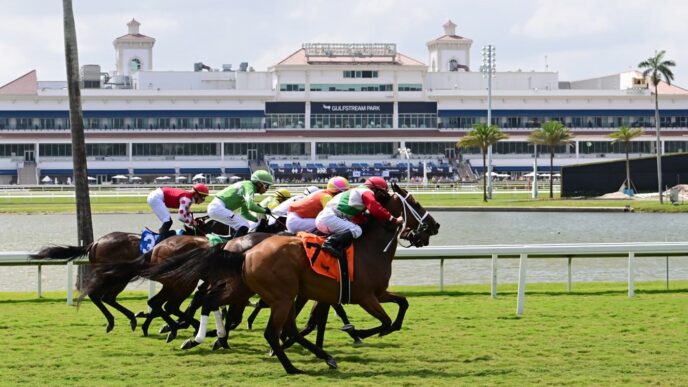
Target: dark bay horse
(278,270)
(113,248)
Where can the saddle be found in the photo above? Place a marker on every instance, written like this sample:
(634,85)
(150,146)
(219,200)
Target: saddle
(325,264)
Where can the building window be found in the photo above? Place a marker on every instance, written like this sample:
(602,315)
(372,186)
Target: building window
(292,87)
(410,87)
(360,74)
(453,65)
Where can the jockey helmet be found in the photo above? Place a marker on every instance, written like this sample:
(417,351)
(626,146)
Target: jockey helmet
(201,189)
(376,183)
(282,194)
(310,189)
(262,176)
(338,184)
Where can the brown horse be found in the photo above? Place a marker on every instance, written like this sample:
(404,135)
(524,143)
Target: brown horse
(278,270)
(113,248)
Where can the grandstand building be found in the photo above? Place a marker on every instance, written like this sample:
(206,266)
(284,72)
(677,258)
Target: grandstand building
(328,108)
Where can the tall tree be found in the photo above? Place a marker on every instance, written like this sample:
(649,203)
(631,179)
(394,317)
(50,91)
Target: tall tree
(482,136)
(656,68)
(551,134)
(625,134)
(76,118)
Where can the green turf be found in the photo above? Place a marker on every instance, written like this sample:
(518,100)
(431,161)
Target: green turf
(105,204)
(595,336)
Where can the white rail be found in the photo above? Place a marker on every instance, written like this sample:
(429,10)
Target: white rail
(493,252)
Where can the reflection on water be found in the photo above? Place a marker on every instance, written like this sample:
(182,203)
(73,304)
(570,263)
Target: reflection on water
(30,232)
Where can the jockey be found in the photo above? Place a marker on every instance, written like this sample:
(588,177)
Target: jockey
(336,218)
(167,197)
(302,213)
(272,201)
(281,210)
(239,196)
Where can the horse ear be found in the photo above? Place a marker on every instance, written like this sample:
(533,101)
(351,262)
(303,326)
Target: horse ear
(395,187)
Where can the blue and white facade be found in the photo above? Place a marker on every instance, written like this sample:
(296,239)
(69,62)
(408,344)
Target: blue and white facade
(325,109)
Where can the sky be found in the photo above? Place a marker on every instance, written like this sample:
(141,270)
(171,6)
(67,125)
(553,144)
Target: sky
(578,38)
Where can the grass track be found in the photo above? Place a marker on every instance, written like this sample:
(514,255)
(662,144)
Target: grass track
(596,336)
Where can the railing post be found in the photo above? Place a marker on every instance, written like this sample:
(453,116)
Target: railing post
(569,273)
(151,292)
(493,286)
(70,283)
(40,287)
(631,285)
(441,274)
(523,262)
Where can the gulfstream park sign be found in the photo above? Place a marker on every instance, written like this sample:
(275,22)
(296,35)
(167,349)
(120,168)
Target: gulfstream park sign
(325,108)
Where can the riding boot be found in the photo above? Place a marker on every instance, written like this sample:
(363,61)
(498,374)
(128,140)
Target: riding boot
(164,230)
(336,244)
(240,232)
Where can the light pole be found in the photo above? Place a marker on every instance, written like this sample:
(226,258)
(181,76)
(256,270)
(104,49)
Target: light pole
(488,70)
(406,152)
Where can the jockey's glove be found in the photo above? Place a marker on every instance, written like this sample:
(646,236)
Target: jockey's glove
(267,211)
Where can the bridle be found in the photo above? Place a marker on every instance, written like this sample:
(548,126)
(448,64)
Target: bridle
(412,235)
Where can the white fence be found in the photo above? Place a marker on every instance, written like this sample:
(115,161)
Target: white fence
(442,253)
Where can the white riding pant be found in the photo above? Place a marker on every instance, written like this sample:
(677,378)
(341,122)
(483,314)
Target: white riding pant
(217,211)
(329,223)
(156,201)
(295,223)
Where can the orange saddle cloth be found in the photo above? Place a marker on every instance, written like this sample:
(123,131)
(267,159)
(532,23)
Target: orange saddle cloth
(323,262)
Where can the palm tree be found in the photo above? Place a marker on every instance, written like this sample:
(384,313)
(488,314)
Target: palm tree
(552,134)
(76,117)
(482,136)
(625,134)
(657,69)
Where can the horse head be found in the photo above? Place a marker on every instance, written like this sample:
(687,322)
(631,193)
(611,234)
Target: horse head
(419,225)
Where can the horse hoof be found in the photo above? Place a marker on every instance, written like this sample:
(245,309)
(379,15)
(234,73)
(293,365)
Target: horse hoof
(358,341)
(293,371)
(348,328)
(221,342)
(188,344)
(331,363)
(109,327)
(141,314)
(172,335)
(133,324)
(164,329)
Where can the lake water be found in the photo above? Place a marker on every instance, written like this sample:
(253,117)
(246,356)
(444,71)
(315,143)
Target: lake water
(30,232)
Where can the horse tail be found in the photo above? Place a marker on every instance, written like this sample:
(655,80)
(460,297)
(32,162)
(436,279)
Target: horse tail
(210,264)
(61,252)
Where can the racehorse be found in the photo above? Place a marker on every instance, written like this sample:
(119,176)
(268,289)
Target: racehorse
(278,270)
(115,247)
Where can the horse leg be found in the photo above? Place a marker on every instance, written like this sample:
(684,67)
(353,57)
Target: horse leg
(110,298)
(322,323)
(221,341)
(155,303)
(403,304)
(194,305)
(211,302)
(373,307)
(96,299)
(279,313)
(312,323)
(291,330)
(259,306)
(348,327)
